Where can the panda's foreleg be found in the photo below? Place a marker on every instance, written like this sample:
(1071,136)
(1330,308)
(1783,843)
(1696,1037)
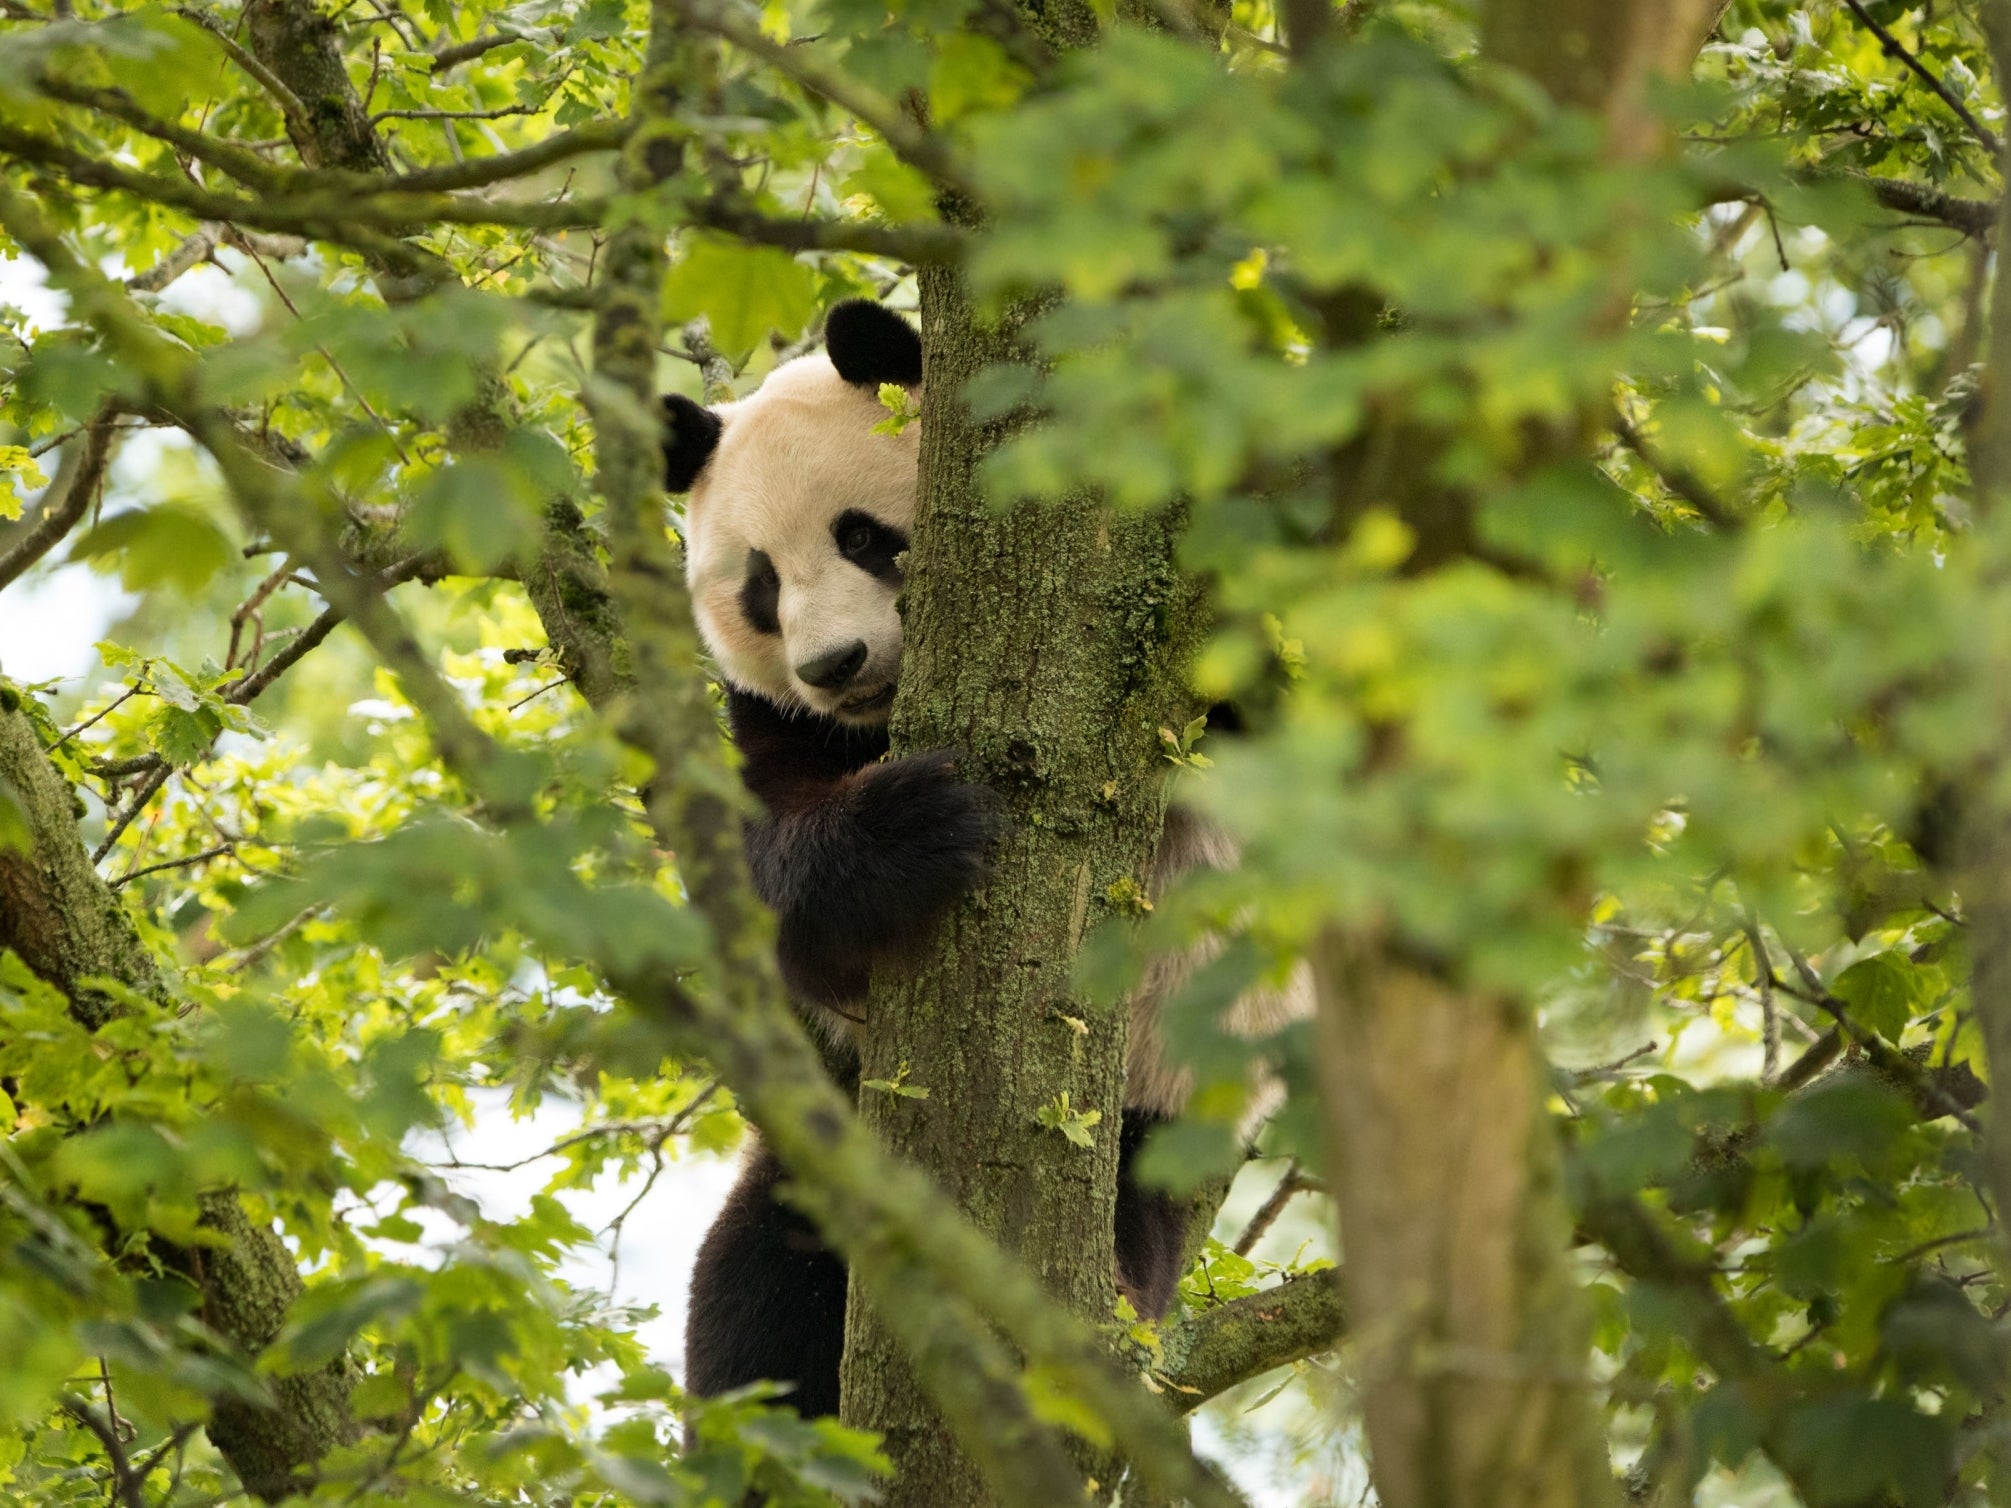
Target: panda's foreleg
(866,872)
(767,1299)
(1151,1225)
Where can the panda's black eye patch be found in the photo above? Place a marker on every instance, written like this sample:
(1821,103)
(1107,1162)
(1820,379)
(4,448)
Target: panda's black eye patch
(761,593)
(869,544)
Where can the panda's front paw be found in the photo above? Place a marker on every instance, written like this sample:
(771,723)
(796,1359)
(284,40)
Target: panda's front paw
(926,835)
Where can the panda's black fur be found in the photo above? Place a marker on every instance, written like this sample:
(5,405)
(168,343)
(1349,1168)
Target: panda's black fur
(859,856)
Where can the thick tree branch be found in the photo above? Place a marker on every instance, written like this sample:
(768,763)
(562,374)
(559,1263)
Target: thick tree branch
(1211,1352)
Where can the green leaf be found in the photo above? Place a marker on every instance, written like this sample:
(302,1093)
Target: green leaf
(1879,991)
(745,291)
(168,544)
(18,474)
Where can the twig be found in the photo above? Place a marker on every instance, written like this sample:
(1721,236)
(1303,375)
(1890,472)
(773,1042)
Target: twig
(595,136)
(97,717)
(658,1129)
(126,1487)
(1894,48)
(548,686)
(195,858)
(1974,217)
(193,251)
(253,952)
(464,52)
(335,367)
(149,788)
(251,605)
(499,113)
(913,145)
(1770,1015)
(1607,1070)
(1678,479)
(1817,1056)
(1883,1057)
(1293,1183)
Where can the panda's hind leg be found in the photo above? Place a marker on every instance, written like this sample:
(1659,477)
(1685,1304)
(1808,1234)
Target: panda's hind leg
(767,1299)
(1151,1226)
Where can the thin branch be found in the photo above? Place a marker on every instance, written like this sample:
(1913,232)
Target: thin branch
(149,788)
(339,207)
(465,52)
(1293,1183)
(1770,1011)
(97,717)
(66,501)
(127,1487)
(1884,1057)
(193,251)
(595,136)
(918,148)
(245,166)
(501,112)
(195,858)
(289,102)
(907,243)
(1894,48)
(1974,217)
(1678,479)
(1817,1056)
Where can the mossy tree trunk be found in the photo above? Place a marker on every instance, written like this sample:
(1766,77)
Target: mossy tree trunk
(67,925)
(1044,641)
(1474,1334)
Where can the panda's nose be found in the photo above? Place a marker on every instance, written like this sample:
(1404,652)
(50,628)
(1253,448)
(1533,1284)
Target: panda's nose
(833,668)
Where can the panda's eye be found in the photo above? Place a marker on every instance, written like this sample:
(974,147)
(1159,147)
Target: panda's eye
(869,544)
(761,593)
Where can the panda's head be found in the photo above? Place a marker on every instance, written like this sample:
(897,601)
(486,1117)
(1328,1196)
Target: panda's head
(798,514)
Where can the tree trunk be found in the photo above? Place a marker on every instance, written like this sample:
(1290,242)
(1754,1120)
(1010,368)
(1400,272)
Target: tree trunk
(68,925)
(1473,1335)
(1470,1329)
(1982,806)
(1045,643)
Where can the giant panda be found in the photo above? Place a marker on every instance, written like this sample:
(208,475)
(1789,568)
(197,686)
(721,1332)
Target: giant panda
(800,505)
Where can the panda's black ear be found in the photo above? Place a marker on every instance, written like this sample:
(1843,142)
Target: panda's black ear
(693,435)
(871,344)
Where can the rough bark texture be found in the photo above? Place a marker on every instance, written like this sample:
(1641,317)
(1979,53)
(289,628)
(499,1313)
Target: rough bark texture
(1984,804)
(1244,1338)
(67,925)
(1472,1349)
(1043,642)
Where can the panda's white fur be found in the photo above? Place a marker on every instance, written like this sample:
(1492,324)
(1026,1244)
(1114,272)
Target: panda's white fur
(790,461)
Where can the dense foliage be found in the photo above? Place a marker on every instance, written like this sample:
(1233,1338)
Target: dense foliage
(1592,545)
